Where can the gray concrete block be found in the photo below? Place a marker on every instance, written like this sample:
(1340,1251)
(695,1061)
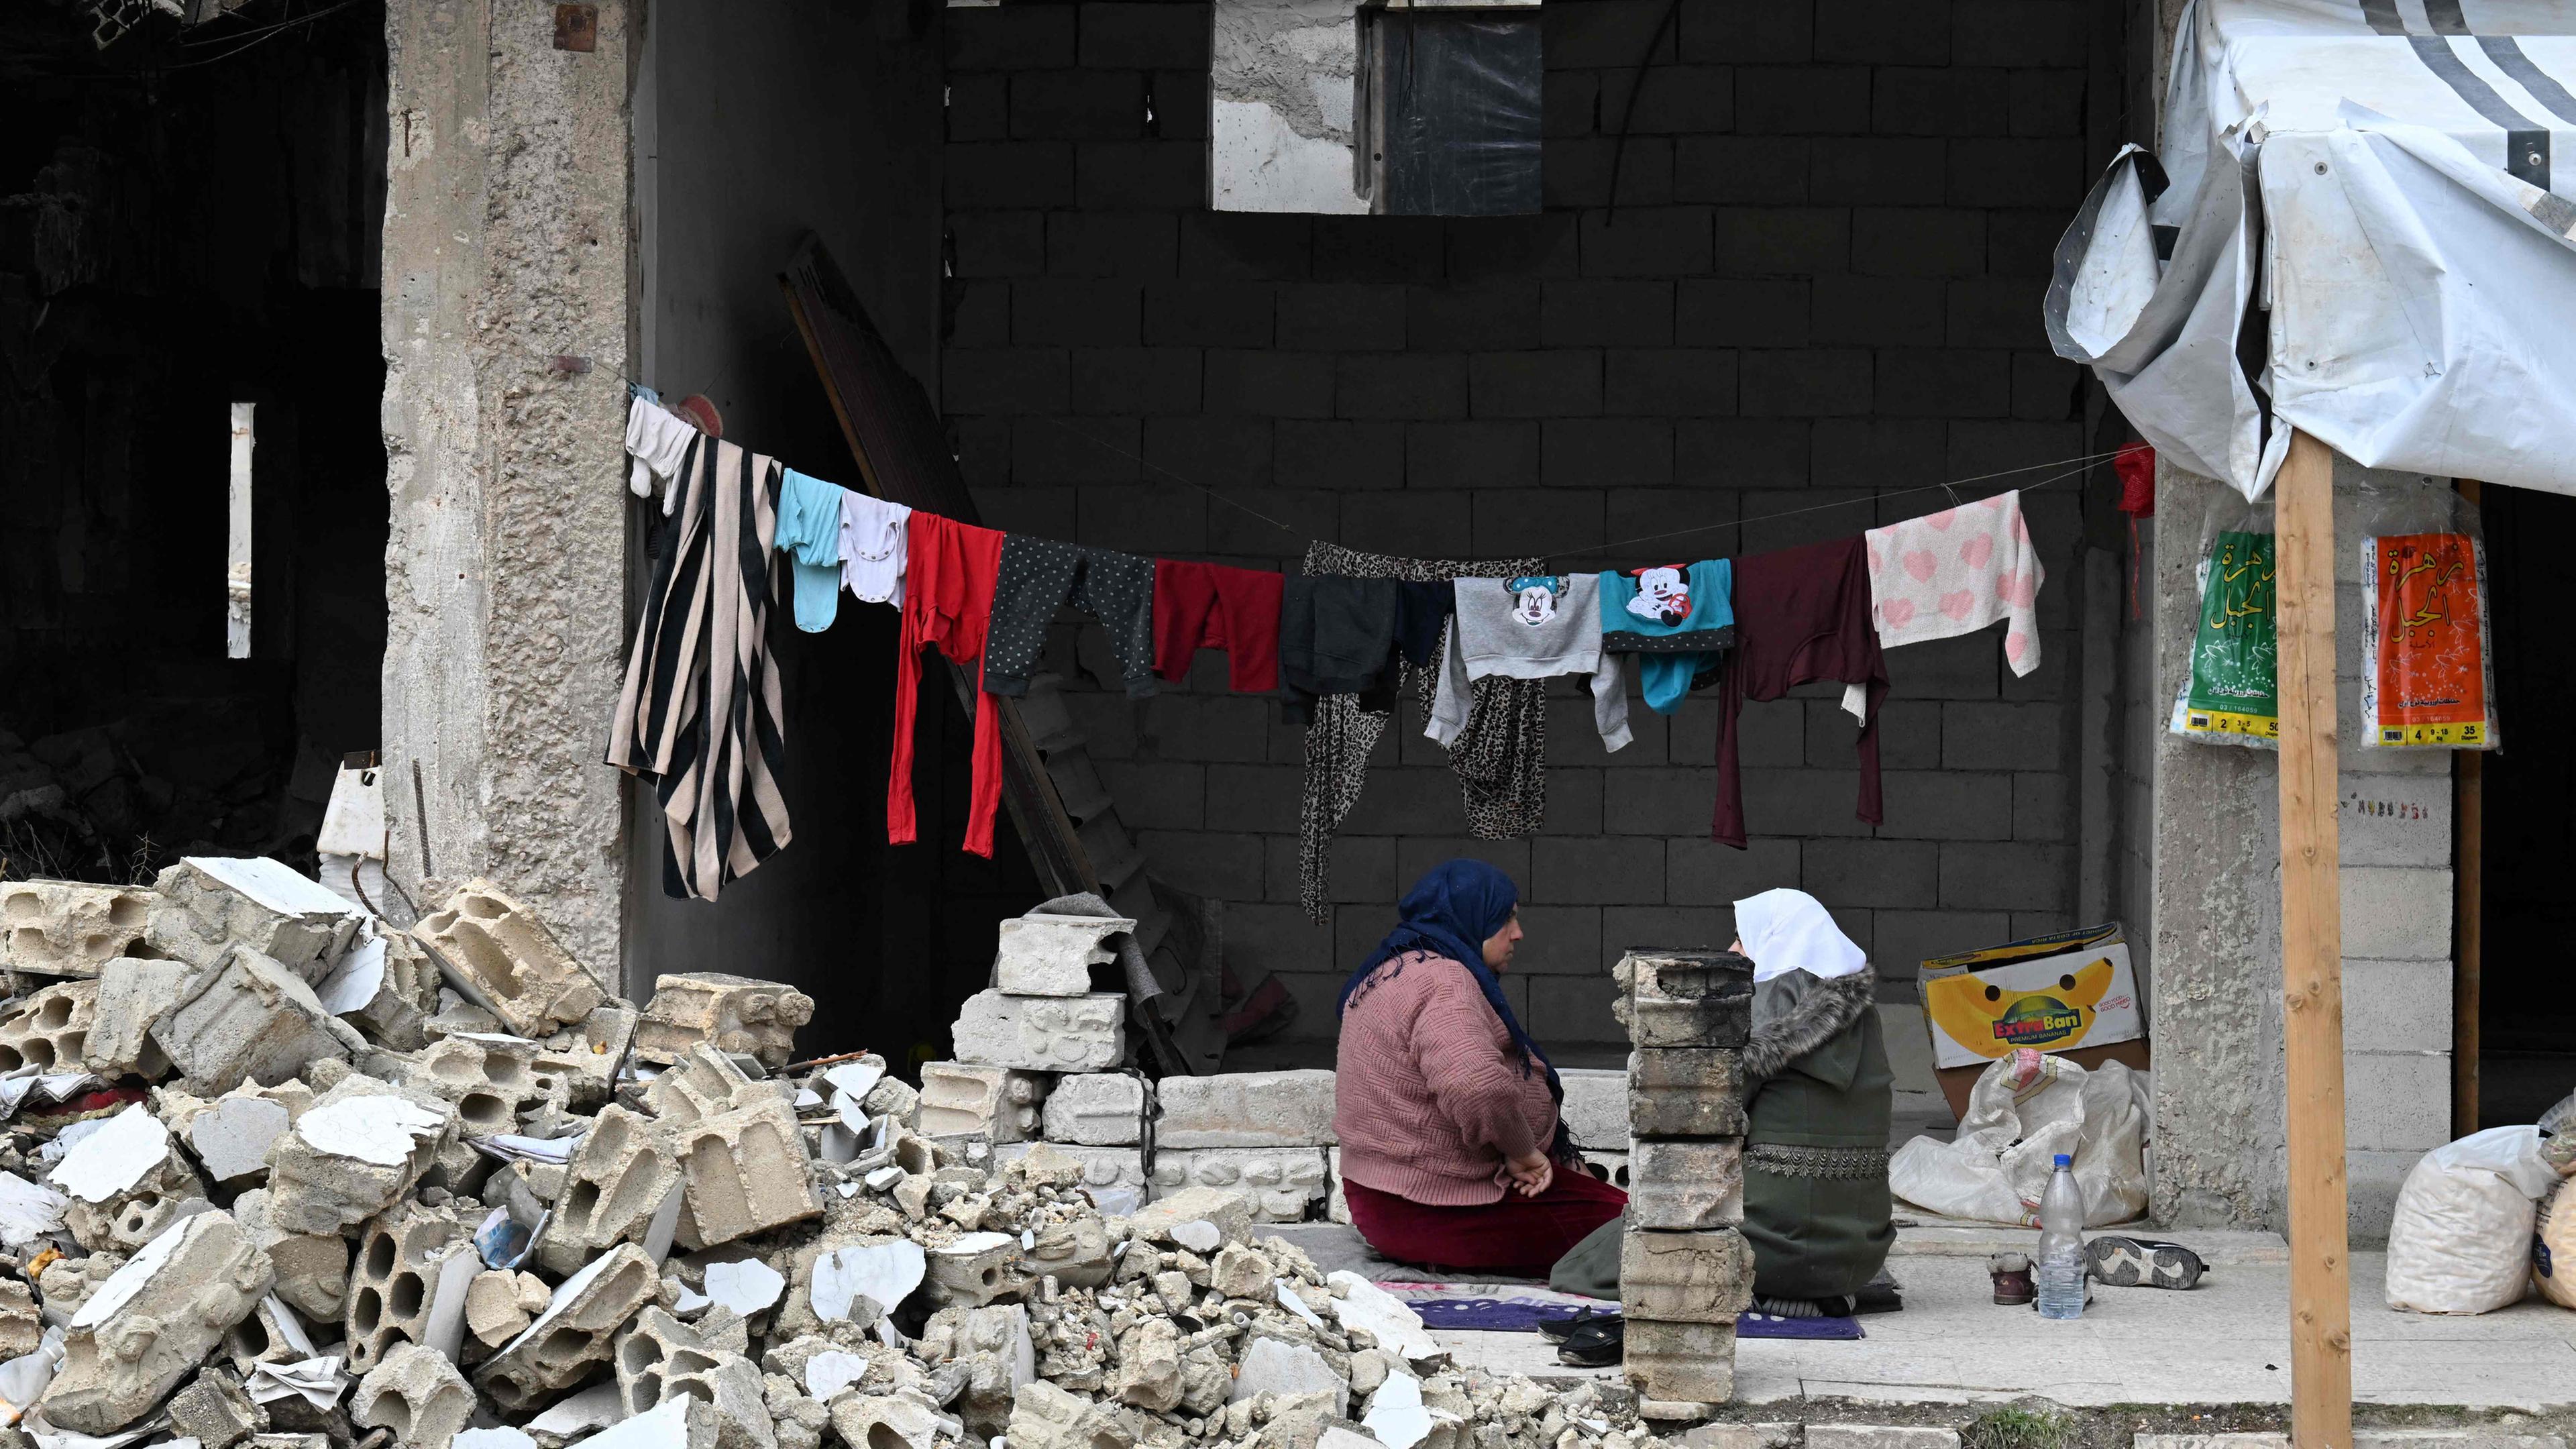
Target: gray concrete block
(1804,382)
(1603,871)
(1669,382)
(1209,314)
(1595,1108)
(1880,1436)
(1802,100)
(152,1322)
(572,1337)
(2397,913)
(2394,820)
(2397,1101)
(1246,1109)
(1283,1184)
(1096,1109)
(1042,1034)
(1947,805)
(1918,241)
(1665,241)
(1687,1185)
(1849,873)
(1997,736)
(1905,939)
(1571,1010)
(995,1103)
(1685,1092)
(1685,998)
(2396,1006)
(1687,1363)
(992,40)
(1694,1277)
(246,1018)
(1938,101)
(1563,382)
(69,928)
(1120,33)
(1596,313)
(1703,872)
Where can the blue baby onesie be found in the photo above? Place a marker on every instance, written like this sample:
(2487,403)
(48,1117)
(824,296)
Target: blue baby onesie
(809,531)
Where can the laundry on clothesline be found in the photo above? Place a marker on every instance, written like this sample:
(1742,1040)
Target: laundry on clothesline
(1335,643)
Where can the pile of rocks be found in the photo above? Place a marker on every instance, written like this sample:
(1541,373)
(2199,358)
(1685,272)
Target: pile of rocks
(275,1173)
(1685,1271)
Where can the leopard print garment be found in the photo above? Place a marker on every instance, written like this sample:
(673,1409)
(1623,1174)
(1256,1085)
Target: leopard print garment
(1500,758)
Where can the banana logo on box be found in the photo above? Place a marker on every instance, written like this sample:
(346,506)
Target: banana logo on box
(1991,1020)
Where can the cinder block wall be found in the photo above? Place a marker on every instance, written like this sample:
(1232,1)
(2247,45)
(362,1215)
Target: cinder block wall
(1823,279)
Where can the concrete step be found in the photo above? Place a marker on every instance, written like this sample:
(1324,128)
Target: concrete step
(2478,1437)
(1920,1235)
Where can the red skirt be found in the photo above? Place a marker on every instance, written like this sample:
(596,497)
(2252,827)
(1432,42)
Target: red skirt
(1520,1237)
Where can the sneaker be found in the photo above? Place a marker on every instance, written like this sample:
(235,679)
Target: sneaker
(2124,1262)
(1598,1343)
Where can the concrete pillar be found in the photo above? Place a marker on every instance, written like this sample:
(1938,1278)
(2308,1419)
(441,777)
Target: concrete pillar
(505,336)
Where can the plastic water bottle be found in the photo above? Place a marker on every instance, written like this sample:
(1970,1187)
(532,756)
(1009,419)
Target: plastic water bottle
(2057,1269)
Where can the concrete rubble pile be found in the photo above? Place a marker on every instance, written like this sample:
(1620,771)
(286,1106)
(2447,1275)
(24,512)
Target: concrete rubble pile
(1685,1270)
(277,1174)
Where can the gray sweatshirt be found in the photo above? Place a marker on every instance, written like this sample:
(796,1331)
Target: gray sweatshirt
(1533,627)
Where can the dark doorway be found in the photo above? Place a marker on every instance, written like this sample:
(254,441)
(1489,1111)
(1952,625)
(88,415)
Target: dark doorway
(2526,1053)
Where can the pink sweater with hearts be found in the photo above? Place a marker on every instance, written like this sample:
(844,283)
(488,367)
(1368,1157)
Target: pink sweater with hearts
(1955,572)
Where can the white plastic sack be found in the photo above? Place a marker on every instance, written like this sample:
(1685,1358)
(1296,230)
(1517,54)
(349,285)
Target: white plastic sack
(2025,1109)
(2461,1239)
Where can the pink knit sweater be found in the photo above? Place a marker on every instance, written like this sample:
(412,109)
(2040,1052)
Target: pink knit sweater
(1429,1098)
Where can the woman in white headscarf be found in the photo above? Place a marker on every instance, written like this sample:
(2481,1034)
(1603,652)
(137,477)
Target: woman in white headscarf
(1818,1094)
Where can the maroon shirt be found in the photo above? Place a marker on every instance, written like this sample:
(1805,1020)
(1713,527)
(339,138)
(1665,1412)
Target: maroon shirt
(1801,614)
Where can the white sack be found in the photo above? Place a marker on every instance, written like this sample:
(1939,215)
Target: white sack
(2461,1239)
(2008,1143)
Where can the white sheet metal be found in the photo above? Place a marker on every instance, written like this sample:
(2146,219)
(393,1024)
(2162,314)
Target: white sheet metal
(2393,161)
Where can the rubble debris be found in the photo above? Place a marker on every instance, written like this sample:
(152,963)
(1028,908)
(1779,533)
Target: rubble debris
(498,956)
(352,1208)
(737,1014)
(68,928)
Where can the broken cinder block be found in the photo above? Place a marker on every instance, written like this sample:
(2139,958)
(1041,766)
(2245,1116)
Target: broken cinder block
(206,904)
(1686,1362)
(1246,1109)
(245,1017)
(747,1171)
(1686,1185)
(50,1029)
(1048,955)
(403,1259)
(215,1411)
(68,928)
(131,992)
(153,1321)
(573,1334)
(1701,1277)
(312,1268)
(416,1393)
(1283,1182)
(1595,1108)
(1685,1092)
(353,1153)
(963,1100)
(658,1357)
(500,957)
(1684,998)
(614,1184)
(1096,1109)
(737,1014)
(1042,1033)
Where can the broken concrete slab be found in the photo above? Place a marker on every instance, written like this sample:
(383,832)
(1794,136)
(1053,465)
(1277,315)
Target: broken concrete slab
(244,1016)
(1042,1033)
(312,1268)
(153,1320)
(574,1333)
(616,1181)
(22,1327)
(386,985)
(999,1104)
(739,1014)
(1044,1416)
(231,1137)
(679,1422)
(1246,1109)
(1701,1277)
(1684,998)
(893,1421)
(1047,955)
(1285,1183)
(1685,1092)
(1688,1362)
(1229,1211)
(417,1394)
(974,1269)
(586,1055)
(125,1183)
(205,905)
(1595,1108)
(215,1411)
(499,956)
(357,1149)
(68,928)
(1685,1184)
(703,1082)
(1274,1366)
(1096,1109)
(131,992)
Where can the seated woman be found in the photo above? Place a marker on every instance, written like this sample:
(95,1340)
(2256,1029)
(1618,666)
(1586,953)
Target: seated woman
(1453,1155)
(1818,1094)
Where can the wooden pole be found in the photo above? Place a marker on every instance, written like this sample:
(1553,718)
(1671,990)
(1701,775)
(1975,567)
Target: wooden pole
(2468,929)
(2312,952)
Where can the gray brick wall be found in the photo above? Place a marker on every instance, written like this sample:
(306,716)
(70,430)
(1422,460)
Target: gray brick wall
(1823,280)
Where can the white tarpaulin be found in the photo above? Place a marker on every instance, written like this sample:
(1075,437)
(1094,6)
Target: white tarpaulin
(2352,216)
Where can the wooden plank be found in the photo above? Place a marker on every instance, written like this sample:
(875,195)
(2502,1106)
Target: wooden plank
(2468,926)
(2312,952)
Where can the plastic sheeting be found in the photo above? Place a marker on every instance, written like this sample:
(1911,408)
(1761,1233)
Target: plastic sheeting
(1461,113)
(2370,181)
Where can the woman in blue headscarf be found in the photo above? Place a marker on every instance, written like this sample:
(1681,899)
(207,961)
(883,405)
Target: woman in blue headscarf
(1453,1154)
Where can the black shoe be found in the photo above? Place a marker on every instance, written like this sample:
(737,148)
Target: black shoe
(2124,1262)
(1558,1330)
(1598,1343)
